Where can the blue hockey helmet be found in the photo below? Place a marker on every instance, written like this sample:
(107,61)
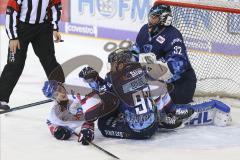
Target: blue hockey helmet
(51,87)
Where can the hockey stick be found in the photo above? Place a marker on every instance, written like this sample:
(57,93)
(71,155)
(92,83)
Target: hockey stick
(33,104)
(98,147)
(26,106)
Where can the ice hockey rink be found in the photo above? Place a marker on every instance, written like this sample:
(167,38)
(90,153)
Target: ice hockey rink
(24,134)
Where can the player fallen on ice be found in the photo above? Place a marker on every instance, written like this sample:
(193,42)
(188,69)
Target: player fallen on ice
(70,112)
(137,116)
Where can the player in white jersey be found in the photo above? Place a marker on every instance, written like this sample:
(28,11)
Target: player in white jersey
(71,112)
(67,113)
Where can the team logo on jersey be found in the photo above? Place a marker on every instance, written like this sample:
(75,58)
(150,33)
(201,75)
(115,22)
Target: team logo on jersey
(160,39)
(147,48)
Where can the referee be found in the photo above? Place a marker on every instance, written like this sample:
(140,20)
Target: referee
(35,22)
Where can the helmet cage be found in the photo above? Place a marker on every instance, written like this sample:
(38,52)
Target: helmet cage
(163,13)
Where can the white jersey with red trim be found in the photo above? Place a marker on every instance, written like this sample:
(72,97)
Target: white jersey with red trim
(72,116)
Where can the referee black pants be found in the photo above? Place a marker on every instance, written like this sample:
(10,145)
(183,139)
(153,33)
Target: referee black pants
(41,38)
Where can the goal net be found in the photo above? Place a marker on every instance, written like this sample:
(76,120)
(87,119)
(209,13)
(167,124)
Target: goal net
(211,31)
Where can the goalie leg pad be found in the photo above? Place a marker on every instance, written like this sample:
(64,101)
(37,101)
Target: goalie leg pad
(210,112)
(222,117)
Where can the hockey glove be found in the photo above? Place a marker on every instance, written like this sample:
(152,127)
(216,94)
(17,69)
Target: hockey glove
(87,133)
(62,133)
(88,73)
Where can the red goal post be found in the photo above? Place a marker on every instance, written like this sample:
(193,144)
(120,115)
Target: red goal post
(222,6)
(211,31)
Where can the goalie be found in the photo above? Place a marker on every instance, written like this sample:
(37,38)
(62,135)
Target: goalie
(166,43)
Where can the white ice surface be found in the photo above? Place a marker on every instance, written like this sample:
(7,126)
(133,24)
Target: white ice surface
(25,136)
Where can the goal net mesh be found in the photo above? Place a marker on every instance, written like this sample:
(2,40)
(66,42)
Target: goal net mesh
(211,32)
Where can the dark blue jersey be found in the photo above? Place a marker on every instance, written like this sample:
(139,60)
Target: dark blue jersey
(168,46)
(138,113)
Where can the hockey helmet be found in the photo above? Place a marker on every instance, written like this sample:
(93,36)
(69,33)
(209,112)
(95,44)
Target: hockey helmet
(55,90)
(120,55)
(159,16)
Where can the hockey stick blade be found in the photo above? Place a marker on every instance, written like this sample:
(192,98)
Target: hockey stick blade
(26,106)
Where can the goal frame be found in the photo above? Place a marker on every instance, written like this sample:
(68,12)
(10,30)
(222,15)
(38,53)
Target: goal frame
(228,8)
(197,6)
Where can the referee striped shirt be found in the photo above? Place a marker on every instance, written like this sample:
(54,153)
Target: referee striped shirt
(32,12)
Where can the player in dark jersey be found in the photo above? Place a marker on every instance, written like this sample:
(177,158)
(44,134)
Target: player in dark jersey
(138,115)
(166,42)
